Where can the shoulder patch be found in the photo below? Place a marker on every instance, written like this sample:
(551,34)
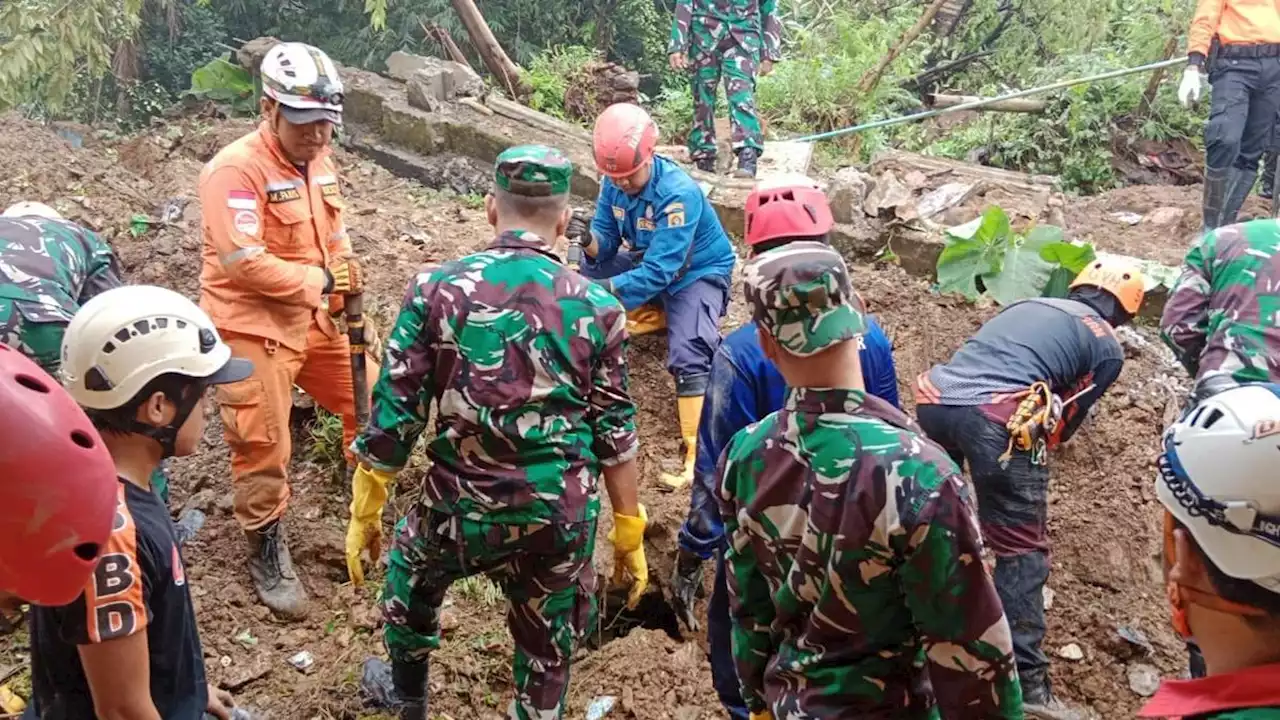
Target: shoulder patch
(619,213)
(675,214)
(242,200)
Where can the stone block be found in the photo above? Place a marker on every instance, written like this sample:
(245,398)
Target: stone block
(428,88)
(402,65)
(466,83)
(848,192)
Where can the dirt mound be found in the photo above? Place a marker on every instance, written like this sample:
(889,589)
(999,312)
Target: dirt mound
(1103,520)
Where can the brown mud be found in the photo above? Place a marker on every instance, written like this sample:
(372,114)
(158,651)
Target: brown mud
(1104,520)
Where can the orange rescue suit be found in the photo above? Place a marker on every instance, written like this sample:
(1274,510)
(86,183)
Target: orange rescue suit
(1235,22)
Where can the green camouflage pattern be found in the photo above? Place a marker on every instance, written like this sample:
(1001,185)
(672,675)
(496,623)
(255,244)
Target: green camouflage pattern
(800,294)
(545,572)
(533,170)
(1223,314)
(525,360)
(857,586)
(725,39)
(1270,713)
(48,269)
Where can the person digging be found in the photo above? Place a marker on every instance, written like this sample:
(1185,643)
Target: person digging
(656,243)
(1023,384)
(525,361)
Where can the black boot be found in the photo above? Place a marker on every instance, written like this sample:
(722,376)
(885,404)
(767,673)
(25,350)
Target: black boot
(1215,190)
(706,164)
(273,575)
(1039,702)
(746,163)
(399,686)
(1238,188)
(1269,174)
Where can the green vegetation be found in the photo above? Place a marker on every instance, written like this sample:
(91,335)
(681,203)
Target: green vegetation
(986,255)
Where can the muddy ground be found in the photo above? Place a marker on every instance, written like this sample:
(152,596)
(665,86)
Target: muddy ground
(1104,520)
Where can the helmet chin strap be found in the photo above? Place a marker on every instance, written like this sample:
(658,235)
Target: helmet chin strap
(167,435)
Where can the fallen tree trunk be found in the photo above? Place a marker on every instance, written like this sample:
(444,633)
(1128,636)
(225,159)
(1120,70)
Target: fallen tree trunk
(1017,105)
(446,43)
(872,78)
(495,58)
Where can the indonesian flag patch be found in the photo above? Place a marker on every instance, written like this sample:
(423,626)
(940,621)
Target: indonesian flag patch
(242,200)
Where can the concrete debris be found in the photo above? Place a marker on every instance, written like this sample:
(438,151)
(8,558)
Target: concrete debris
(303,660)
(600,706)
(402,65)
(250,55)
(1071,651)
(1048,597)
(1165,216)
(1143,679)
(889,193)
(848,192)
(426,88)
(1136,637)
(1125,218)
(445,80)
(948,195)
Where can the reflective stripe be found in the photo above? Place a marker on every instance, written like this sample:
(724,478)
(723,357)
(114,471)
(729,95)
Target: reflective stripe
(283,185)
(244,253)
(325,180)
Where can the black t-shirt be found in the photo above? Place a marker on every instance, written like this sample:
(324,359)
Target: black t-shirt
(139,585)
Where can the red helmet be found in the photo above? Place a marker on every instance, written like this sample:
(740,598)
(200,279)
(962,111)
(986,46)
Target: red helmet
(57,487)
(787,207)
(625,137)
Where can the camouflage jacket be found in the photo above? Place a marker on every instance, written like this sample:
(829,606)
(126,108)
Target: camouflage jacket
(49,268)
(856,575)
(1223,314)
(701,25)
(526,362)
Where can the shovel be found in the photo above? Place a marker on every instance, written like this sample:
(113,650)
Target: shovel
(359,377)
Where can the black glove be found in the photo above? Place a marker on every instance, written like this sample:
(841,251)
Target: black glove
(686,582)
(579,229)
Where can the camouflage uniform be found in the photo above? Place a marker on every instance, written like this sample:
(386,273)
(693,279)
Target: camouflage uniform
(725,38)
(856,578)
(1222,314)
(526,362)
(48,269)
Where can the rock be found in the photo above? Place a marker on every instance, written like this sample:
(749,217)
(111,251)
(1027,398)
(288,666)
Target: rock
(250,55)
(688,712)
(244,674)
(226,502)
(1048,598)
(1071,651)
(1165,216)
(946,196)
(303,661)
(1143,679)
(427,88)
(449,619)
(888,194)
(847,193)
(402,65)
(1125,217)
(203,500)
(466,83)
(1137,638)
(600,706)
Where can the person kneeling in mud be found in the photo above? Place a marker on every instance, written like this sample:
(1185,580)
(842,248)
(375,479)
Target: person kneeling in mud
(526,362)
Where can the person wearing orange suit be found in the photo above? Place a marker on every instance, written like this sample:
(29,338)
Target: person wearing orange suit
(1237,43)
(277,263)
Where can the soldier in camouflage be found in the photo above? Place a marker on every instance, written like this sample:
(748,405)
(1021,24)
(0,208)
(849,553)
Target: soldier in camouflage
(48,268)
(526,362)
(733,39)
(856,578)
(1220,319)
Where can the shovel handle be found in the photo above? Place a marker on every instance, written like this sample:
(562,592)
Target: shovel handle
(354,308)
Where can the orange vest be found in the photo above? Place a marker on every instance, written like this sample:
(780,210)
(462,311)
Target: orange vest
(269,232)
(1235,22)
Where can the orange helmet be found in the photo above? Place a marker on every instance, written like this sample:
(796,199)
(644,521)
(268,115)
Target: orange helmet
(625,137)
(1117,277)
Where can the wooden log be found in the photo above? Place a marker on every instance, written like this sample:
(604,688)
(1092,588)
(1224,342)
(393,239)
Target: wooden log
(495,58)
(958,170)
(872,78)
(1017,105)
(516,111)
(445,40)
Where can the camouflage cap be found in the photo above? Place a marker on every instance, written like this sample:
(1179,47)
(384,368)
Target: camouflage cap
(800,293)
(533,171)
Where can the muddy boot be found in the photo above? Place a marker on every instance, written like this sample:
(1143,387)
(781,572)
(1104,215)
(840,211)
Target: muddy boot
(1238,188)
(746,163)
(1038,702)
(273,575)
(1268,188)
(1215,190)
(399,686)
(706,164)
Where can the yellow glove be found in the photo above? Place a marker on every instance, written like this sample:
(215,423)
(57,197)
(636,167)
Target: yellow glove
(347,277)
(368,496)
(762,715)
(627,537)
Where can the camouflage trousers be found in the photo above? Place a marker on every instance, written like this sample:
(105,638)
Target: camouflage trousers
(737,66)
(42,342)
(544,570)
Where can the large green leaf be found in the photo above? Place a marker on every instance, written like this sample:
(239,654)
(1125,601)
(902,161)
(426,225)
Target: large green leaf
(1025,272)
(221,81)
(1070,256)
(975,249)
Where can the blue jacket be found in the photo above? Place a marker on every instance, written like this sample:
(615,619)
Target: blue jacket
(672,223)
(744,387)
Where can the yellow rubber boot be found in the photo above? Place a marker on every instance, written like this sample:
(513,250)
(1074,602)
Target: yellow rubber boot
(689,409)
(646,319)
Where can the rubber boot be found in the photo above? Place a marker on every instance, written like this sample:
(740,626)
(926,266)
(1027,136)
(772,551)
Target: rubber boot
(645,320)
(706,164)
(689,409)
(273,575)
(401,687)
(1238,188)
(747,157)
(1268,188)
(1215,190)
(1038,701)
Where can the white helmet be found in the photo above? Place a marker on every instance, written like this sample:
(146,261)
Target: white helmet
(128,336)
(1220,478)
(30,208)
(304,81)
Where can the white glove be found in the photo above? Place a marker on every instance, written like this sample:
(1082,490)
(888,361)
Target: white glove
(1189,89)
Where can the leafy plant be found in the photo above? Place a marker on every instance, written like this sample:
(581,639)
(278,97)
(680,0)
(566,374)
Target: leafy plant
(326,438)
(552,72)
(221,81)
(986,255)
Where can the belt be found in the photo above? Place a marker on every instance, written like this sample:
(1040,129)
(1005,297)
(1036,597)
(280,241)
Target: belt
(1249,51)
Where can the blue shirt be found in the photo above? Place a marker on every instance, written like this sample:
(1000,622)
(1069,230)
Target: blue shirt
(744,387)
(671,222)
